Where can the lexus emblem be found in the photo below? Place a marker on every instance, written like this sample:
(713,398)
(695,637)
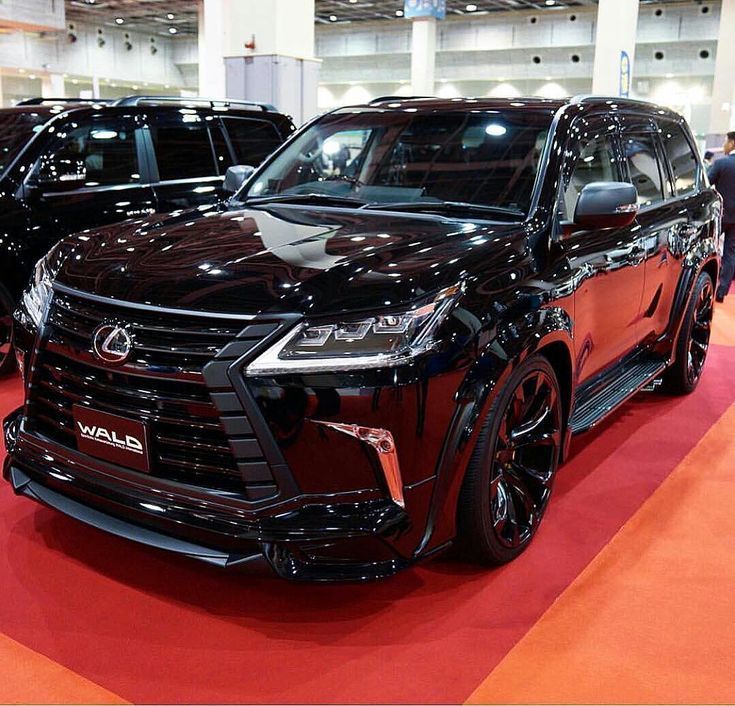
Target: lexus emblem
(112,343)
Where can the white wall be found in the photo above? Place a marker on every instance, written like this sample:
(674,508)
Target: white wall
(493,54)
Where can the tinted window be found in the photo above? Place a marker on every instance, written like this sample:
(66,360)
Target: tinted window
(183,148)
(106,146)
(16,129)
(398,156)
(595,162)
(252,140)
(643,165)
(683,160)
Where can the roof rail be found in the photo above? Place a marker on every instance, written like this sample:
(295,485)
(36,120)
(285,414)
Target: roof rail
(211,102)
(382,99)
(584,97)
(40,101)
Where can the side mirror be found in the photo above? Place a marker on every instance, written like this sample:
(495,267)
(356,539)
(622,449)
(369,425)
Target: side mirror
(606,204)
(60,174)
(236,176)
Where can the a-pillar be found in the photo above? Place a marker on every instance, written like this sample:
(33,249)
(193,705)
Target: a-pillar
(617,24)
(251,50)
(423,56)
(721,114)
(53,86)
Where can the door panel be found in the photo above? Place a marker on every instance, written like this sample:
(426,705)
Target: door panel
(608,264)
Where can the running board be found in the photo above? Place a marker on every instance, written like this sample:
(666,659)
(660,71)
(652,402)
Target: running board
(610,392)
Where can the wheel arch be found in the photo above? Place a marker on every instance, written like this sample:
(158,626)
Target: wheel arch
(547,332)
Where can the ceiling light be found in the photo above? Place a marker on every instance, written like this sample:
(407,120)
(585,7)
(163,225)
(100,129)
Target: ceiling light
(170,16)
(332,18)
(172,30)
(119,20)
(549,3)
(471,8)
(399,13)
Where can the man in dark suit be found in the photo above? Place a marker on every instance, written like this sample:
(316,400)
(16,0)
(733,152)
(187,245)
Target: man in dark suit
(722,176)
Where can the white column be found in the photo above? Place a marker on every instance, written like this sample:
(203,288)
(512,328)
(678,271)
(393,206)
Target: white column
(53,86)
(617,24)
(721,113)
(212,48)
(259,51)
(95,86)
(423,56)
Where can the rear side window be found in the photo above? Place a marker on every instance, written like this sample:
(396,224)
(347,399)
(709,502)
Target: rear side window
(252,140)
(183,147)
(683,160)
(643,165)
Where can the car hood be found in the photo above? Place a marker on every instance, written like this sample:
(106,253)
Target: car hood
(279,259)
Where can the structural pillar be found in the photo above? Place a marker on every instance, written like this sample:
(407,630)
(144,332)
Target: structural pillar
(723,86)
(615,38)
(423,56)
(53,86)
(259,51)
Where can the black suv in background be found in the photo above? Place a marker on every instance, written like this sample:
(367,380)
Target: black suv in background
(67,166)
(381,346)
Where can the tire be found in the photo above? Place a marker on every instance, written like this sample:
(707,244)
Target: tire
(508,482)
(693,341)
(7,355)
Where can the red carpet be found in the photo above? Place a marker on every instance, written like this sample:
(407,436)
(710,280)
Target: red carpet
(150,627)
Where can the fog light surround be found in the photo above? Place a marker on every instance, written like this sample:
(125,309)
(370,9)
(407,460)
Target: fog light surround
(384,444)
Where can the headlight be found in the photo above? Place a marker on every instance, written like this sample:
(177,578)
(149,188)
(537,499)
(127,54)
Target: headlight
(379,341)
(36,297)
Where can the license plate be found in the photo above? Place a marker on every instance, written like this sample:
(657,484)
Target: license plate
(112,438)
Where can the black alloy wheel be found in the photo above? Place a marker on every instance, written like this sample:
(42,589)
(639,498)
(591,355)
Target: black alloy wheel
(701,329)
(510,477)
(693,342)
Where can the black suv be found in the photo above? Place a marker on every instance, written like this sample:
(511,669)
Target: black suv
(66,166)
(381,346)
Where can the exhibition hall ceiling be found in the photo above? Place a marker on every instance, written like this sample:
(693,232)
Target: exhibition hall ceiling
(179,17)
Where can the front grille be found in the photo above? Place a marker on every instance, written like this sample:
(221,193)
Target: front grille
(162,385)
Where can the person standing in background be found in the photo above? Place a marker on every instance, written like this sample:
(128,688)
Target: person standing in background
(722,177)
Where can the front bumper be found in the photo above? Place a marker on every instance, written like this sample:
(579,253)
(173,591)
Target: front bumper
(342,537)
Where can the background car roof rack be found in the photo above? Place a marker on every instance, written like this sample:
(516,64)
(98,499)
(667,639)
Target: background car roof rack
(211,102)
(382,99)
(38,100)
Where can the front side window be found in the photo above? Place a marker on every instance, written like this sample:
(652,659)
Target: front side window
(682,158)
(488,159)
(595,161)
(643,166)
(106,147)
(183,147)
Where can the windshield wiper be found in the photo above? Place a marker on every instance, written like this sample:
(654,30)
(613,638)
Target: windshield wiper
(326,199)
(452,207)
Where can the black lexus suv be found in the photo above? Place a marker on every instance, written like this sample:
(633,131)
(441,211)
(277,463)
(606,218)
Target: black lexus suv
(381,345)
(68,165)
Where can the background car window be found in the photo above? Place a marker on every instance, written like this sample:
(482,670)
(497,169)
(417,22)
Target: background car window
(643,165)
(16,130)
(107,148)
(684,162)
(183,147)
(596,162)
(252,140)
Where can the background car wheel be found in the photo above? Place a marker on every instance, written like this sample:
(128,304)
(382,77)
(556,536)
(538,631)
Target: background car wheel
(693,342)
(510,476)
(7,356)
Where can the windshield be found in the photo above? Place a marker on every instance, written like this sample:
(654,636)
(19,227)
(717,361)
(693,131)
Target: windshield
(16,129)
(487,159)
